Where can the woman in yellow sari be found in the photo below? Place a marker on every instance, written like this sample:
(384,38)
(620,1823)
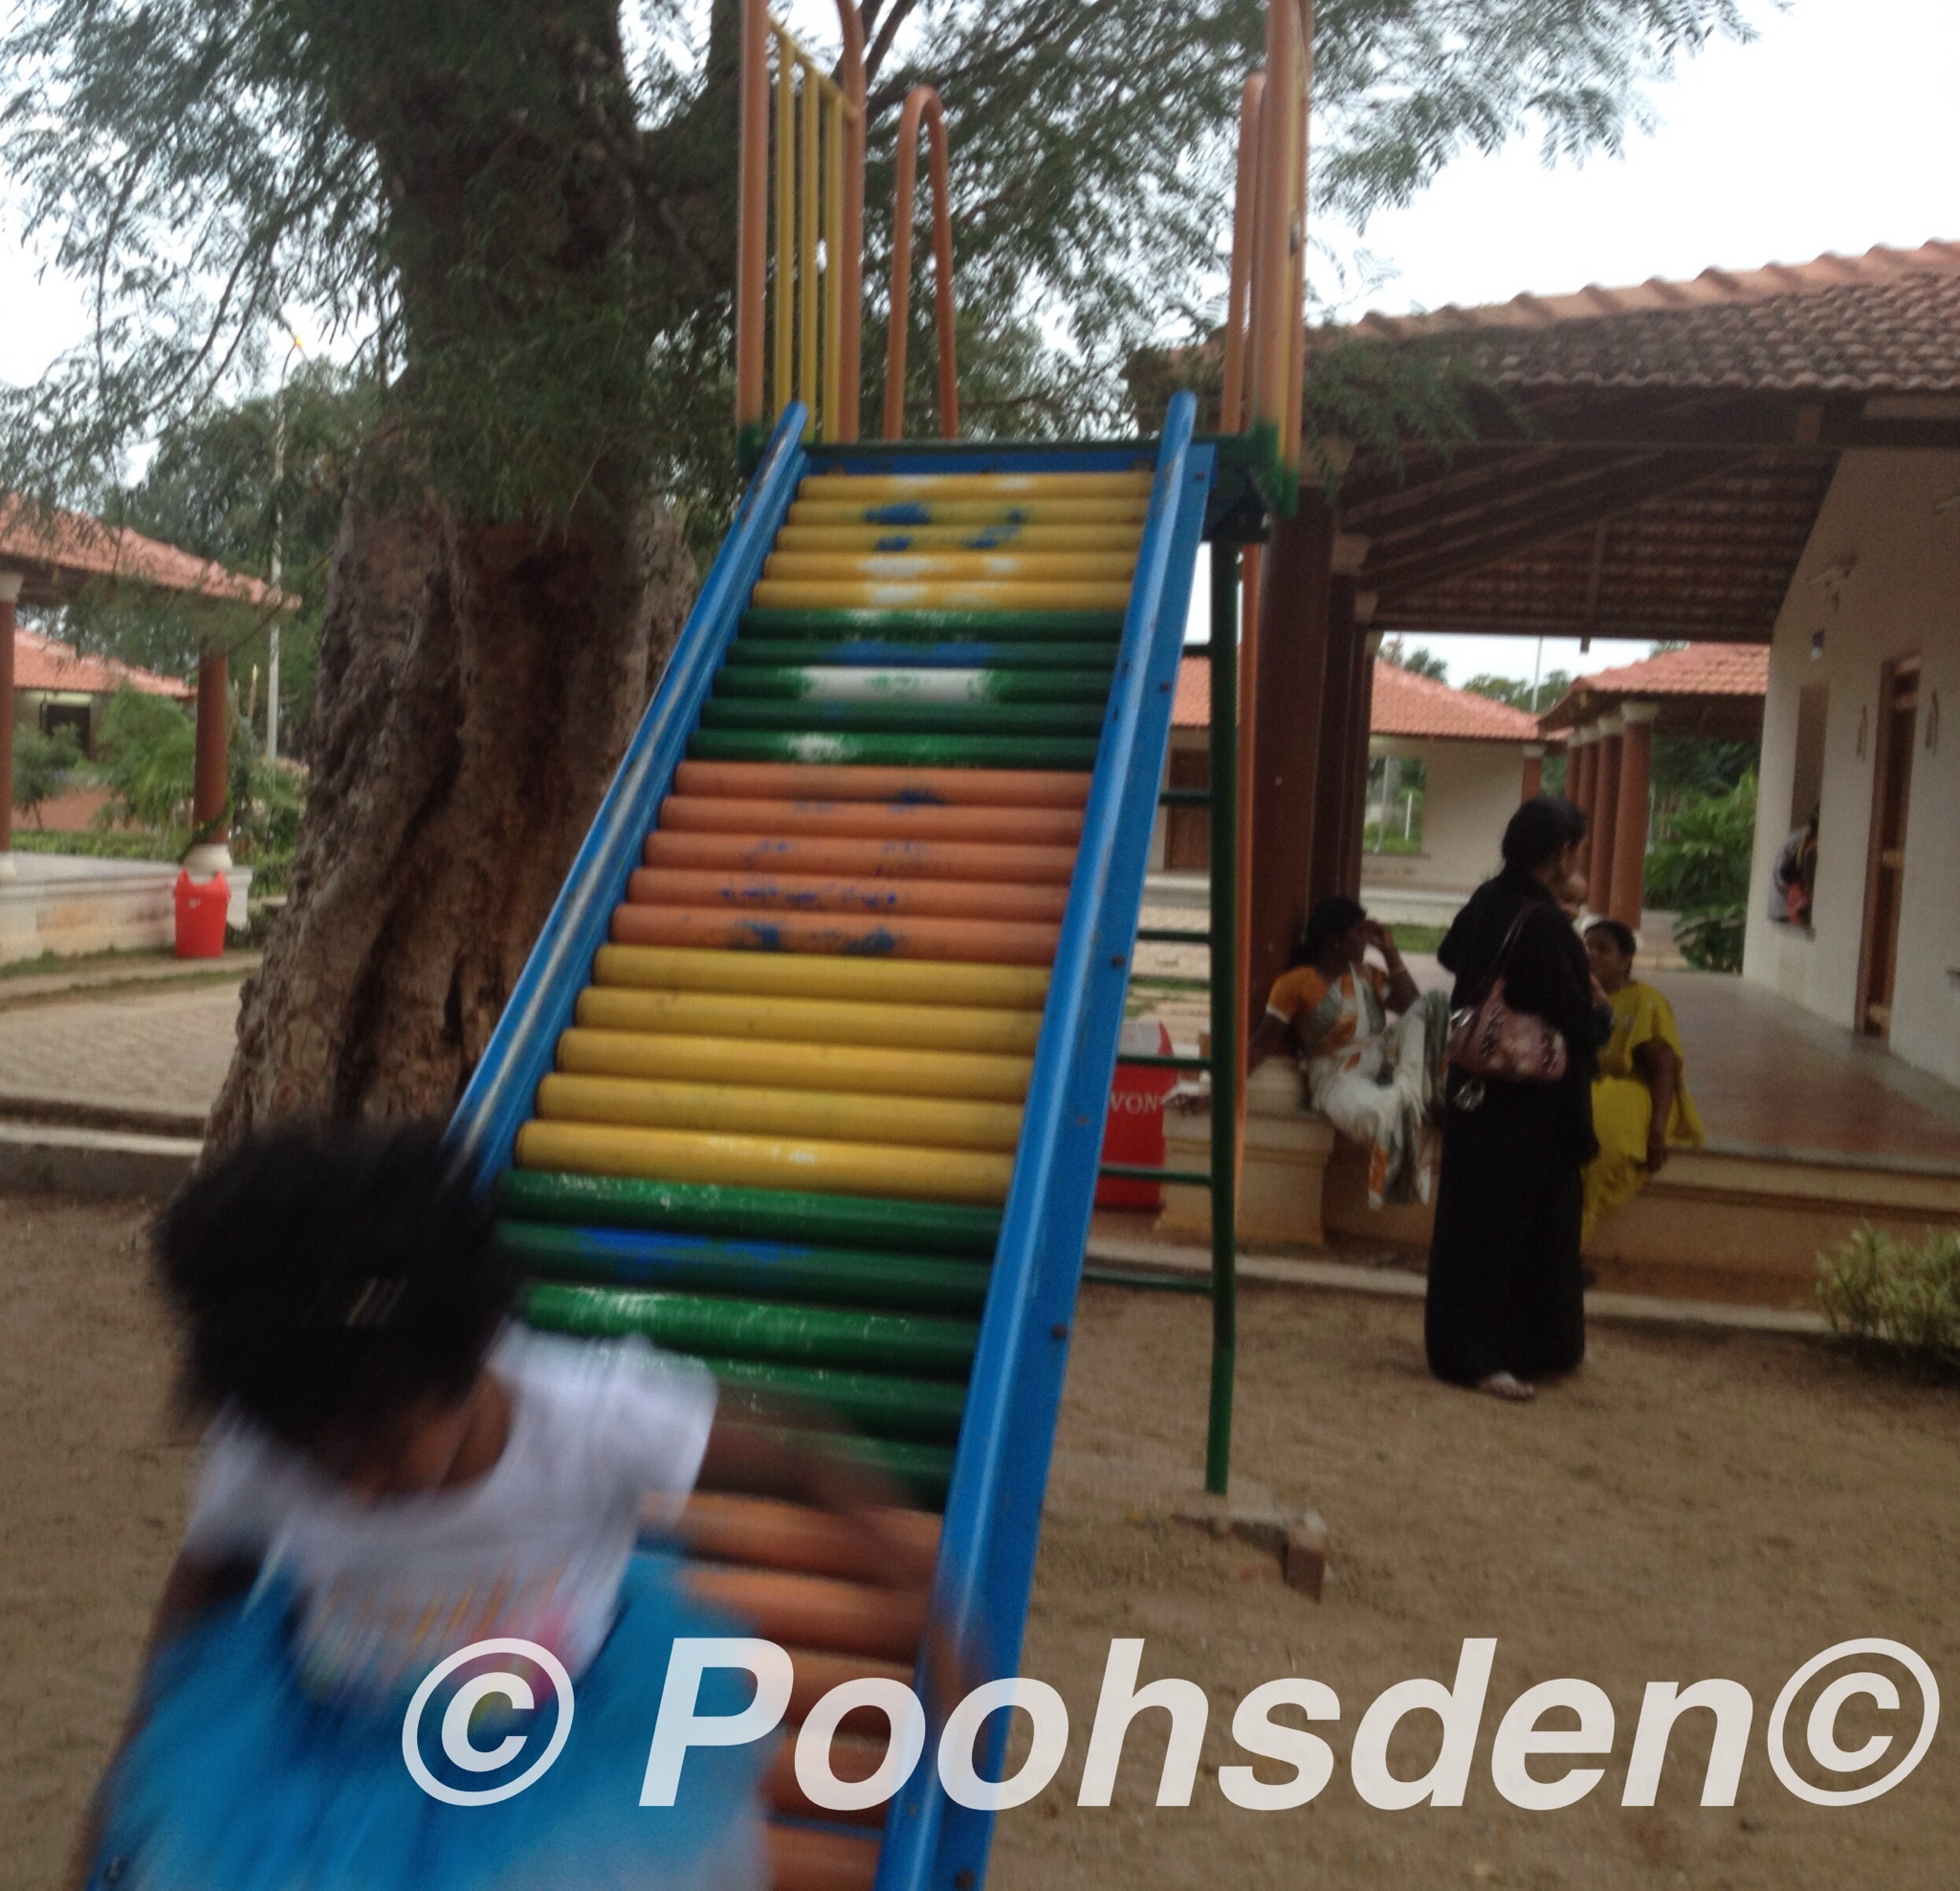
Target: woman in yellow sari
(1640,1105)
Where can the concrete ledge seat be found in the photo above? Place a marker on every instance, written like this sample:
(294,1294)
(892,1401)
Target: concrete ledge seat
(1728,1222)
(74,905)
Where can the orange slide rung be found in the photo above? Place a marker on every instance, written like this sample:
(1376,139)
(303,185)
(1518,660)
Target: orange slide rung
(818,1672)
(951,787)
(872,821)
(964,942)
(942,899)
(802,1858)
(919,860)
(772,1534)
(852,1756)
(849,1617)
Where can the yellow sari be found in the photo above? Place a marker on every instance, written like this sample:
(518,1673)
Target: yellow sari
(1623,1107)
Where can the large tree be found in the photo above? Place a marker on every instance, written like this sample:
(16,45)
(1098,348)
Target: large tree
(526,207)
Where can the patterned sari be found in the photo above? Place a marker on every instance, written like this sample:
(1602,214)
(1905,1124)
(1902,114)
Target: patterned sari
(1374,1079)
(1623,1105)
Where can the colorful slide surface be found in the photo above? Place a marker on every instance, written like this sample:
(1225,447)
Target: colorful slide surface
(806,1074)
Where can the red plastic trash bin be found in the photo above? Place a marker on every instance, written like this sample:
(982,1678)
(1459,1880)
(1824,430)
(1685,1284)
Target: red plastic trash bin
(1135,1130)
(201,908)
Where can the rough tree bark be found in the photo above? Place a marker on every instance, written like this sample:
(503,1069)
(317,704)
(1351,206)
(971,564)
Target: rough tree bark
(477,689)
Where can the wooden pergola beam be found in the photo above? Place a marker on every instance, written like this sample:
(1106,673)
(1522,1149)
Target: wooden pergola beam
(1532,522)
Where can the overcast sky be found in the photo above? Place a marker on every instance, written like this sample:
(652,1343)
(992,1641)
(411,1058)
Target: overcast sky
(1834,130)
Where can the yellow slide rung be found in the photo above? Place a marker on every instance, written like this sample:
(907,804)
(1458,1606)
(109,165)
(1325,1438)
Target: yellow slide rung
(817,594)
(827,1168)
(874,487)
(807,1067)
(976,512)
(999,538)
(1007,567)
(803,975)
(746,1110)
(781,1023)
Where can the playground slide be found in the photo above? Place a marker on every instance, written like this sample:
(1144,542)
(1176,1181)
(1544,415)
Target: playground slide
(806,1074)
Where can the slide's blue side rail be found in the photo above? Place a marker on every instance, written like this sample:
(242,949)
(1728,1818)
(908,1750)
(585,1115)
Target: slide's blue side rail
(986,1565)
(521,1050)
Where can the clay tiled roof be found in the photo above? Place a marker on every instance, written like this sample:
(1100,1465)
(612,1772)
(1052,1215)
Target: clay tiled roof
(58,550)
(41,663)
(1405,705)
(1887,322)
(1706,689)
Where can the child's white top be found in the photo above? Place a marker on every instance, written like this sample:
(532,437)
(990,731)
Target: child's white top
(536,1547)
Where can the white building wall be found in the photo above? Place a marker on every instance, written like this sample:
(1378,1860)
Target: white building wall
(1881,579)
(1472,790)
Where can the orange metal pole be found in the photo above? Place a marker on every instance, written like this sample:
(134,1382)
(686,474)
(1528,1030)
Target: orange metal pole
(210,789)
(1296,312)
(1244,218)
(1269,349)
(11,582)
(922,103)
(752,243)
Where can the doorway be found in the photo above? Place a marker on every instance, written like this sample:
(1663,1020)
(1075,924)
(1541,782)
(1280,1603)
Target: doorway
(1886,875)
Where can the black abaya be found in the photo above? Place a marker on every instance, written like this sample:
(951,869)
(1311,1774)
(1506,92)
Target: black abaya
(1506,1292)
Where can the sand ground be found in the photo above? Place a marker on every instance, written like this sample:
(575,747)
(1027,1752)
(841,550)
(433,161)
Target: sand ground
(1689,1507)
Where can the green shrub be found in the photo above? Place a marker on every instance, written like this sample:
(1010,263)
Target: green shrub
(42,765)
(95,846)
(1699,871)
(147,759)
(1900,1296)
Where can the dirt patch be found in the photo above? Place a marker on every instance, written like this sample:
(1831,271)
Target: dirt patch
(1691,1506)
(92,1486)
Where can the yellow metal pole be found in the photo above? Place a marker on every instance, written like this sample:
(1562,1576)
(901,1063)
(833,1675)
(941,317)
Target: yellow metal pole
(752,267)
(785,219)
(1244,219)
(833,267)
(850,78)
(806,248)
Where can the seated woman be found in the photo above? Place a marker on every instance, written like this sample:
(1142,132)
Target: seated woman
(1374,1079)
(1641,1106)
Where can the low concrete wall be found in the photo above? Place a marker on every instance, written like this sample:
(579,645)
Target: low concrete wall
(72,905)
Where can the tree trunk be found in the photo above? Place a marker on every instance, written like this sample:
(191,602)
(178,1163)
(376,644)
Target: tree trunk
(477,687)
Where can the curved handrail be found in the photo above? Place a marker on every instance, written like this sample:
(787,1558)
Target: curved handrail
(922,103)
(993,1508)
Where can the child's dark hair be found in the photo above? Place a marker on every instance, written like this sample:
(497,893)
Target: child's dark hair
(324,1273)
(1621,934)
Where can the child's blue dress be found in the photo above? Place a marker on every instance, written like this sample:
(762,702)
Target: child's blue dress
(240,1780)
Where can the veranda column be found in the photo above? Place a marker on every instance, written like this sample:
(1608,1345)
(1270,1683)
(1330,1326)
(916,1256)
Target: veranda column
(1582,777)
(10,595)
(1534,771)
(212,853)
(1605,821)
(1630,831)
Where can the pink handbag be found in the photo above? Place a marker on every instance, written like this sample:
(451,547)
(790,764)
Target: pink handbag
(1488,1039)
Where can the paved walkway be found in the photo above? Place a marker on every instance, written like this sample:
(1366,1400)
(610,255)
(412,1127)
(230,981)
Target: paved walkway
(159,1048)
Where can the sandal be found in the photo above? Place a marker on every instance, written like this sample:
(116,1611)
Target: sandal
(1508,1387)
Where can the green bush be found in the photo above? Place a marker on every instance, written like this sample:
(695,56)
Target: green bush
(1898,1296)
(97,846)
(42,765)
(1699,871)
(147,758)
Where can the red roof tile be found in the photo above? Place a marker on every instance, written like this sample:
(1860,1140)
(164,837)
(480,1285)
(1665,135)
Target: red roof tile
(1697,669)
(41,663)
(1405,705)
(1887,322)
(76,545)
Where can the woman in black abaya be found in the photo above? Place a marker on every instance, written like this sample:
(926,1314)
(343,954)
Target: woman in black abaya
(1506,1302)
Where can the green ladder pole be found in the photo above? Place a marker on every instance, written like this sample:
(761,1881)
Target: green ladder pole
(1223,787)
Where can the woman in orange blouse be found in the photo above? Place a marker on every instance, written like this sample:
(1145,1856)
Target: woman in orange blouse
(1372,1079)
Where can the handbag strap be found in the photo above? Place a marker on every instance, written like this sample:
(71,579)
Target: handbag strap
(1489,981)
